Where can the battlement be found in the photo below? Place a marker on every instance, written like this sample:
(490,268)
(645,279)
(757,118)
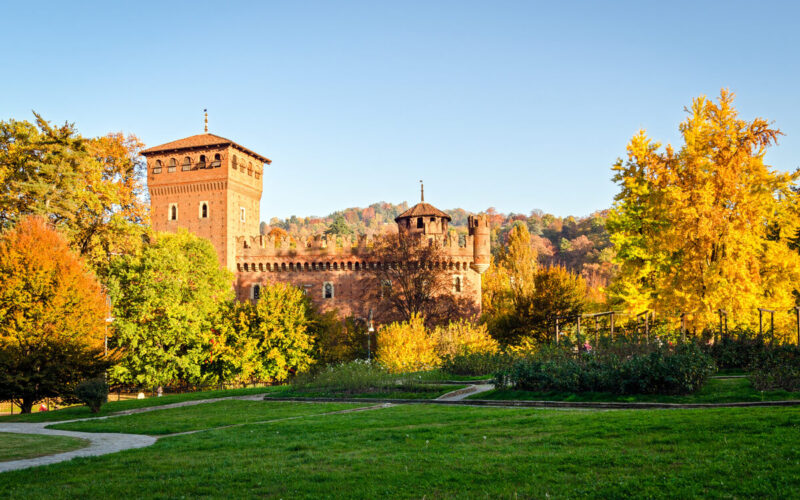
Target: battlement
(331,245)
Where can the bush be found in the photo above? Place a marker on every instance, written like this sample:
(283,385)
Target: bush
(460,337)
(359,377)
(93,393)
(476,363)
(664,370)
(777,368)
(737,351)
(406,346)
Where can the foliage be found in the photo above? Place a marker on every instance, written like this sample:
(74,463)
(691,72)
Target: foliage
(351,377)
(93,393)
(680,370)
(463,336)
(52,315)
(404,347)
(777,368)
(339,226)
(265,340)
(91,189)
(707,227)
(165,300)
(468,362)
(337,340)
(738,350)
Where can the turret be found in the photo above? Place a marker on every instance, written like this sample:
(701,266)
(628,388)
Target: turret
(423,219)
(481,242)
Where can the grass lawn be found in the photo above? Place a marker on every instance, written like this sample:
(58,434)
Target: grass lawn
(715,391)
(21,446)
(411,451)
(203,416)
(129,404)
(432,391)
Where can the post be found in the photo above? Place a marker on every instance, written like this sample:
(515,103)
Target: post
(647,326)
(771,327)
(370,329)
(760,325)
(797,318)
(579,332)
(612,327)
(596,332)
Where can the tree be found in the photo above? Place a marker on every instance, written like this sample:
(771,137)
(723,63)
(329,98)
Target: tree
(411,280)
(165,300)
(52,316)
(265,340)
(91,189)
(339,226)
(706,227)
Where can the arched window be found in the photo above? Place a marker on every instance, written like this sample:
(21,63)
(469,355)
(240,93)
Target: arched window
(217,161)
(157,168)
(202,162)
(204,210)
(420,223)
(327,290)
(250,168)
(187,164)
(173,211)
(172,164)
(457,284)
(234,162)
(256,292)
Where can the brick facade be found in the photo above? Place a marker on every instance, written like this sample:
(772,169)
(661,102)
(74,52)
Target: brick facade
(216,194)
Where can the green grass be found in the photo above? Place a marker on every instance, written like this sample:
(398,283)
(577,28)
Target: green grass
(431,391)
(21,446)
(205,416)
(715,391)
(130,404)
(411,451)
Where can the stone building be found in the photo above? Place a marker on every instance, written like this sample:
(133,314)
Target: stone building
(212,187)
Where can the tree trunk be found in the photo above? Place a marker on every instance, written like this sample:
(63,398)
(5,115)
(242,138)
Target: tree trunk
(26,406)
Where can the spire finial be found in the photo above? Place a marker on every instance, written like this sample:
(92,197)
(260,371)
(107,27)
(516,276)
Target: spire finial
(205,111)
(421,191)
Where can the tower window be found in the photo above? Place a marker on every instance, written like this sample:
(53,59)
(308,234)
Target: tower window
(420,223)
(172,164)
(256,292)
(173,211)
(243,216)
(187,164)
(457,284)
(157,168)
(327,290)
(202,162)
(217,161)
(433,219)
(234,162)
(250,169)
(204,210)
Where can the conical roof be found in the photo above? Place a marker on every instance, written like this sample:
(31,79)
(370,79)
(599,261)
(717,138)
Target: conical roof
(422,209)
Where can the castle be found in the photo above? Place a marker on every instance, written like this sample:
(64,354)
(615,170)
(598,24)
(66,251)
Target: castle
(212,187)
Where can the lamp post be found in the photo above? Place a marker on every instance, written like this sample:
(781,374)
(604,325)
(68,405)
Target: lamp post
(370,329)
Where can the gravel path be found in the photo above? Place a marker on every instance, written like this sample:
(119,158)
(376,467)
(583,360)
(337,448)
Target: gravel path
(465,392)
(100,444)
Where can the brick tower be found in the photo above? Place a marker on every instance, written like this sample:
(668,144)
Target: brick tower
(209,185)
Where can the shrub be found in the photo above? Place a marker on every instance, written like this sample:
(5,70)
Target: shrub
(737,351)
(93,393)
(777,368)
(476,363)
(664,370)
(406,346)
(463,337)
(359,376)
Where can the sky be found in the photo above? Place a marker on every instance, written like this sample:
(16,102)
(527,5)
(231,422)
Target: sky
(512,105)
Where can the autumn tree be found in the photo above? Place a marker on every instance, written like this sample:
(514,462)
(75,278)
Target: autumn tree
(90,189)
(52,316)
(708,226)
(165,300)
(265,340)
(410,279)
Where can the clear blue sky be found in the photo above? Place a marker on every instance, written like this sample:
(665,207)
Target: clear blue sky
(516,105)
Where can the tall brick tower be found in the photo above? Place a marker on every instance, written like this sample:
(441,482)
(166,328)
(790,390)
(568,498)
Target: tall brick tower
(209,185)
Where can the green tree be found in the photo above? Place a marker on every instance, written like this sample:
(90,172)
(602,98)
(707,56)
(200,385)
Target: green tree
(52,316)
(91,189)
(339,226)
(265,340)
(165,300)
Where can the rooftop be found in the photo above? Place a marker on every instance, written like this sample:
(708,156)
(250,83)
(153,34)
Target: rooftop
(422,209)
(201,141)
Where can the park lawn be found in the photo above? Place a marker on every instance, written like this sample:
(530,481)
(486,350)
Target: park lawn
(428,391)
(204,416)
(415,451)
(74,412)
(20,446)
(715,391)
